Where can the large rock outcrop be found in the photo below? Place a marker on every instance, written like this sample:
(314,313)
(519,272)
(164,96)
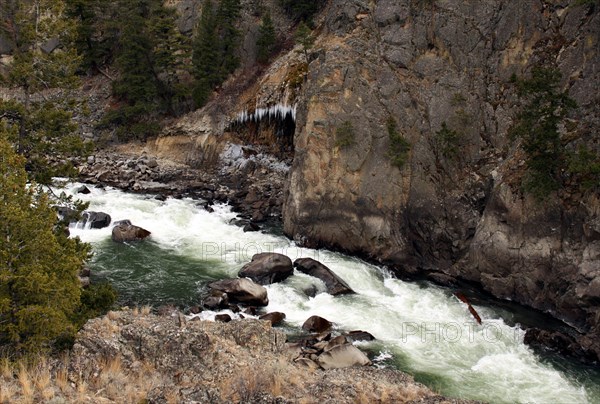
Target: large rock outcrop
(424,64)
(132,356)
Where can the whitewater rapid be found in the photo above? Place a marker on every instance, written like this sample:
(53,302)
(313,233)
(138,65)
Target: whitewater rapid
(420,328)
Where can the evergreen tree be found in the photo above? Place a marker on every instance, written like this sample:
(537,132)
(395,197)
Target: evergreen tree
(39,288)
(43,61)
(87,43)
(205,55)
(227,16)
(266,39)
(215,48)
(304,38)
(149,56)
(537,126)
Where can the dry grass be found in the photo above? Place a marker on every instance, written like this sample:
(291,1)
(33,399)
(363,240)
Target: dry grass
(6,370)
(43,380)
(7,393)
(62,380)
(121,382)
(107,326)
(390,393)
(27,388)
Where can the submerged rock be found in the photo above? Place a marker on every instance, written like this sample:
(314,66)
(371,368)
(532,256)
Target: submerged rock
(335,285)
(359,336)
(82,190)
(267,268)
(561,343)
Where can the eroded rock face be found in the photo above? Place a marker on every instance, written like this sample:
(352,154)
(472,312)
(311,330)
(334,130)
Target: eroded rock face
(267,268)
(463,215)
(335,285)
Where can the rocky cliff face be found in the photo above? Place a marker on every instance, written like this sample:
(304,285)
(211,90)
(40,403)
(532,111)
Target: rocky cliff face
(428,63)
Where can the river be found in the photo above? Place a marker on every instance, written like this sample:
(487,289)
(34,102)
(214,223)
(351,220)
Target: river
(420,328)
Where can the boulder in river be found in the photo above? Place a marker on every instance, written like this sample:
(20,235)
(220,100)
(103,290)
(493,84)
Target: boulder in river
(128,232)
(335,285)
(359,336)
(96,220)
(343,356)
(316,324)
(217,300)
(224,318)
(267,268)
(82,190)
(242,291)
(275,317)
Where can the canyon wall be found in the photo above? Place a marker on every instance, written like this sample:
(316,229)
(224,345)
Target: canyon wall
(462,216)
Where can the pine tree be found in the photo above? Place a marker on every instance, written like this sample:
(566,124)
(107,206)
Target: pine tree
(43,61)
(214,48)
(537,125)
(149,57)
(305,39)
(205,55)
(266,39)
(227,15)
(39,288)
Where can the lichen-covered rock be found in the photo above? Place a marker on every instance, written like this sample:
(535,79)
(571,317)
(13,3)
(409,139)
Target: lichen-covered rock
(135,357)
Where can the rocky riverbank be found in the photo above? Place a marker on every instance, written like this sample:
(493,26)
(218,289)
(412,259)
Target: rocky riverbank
(246,177)
(133,356)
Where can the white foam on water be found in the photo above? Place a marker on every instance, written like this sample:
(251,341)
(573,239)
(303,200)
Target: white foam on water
(429,328)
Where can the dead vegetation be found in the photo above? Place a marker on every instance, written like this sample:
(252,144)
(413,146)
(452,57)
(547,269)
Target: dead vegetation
(105,368)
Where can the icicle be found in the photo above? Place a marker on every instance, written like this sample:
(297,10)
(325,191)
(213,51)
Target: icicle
(277,112)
